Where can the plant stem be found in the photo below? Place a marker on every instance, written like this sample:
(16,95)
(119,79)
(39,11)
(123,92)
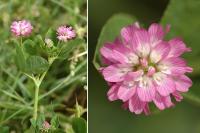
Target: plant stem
(79,55)
(37,88)
(36,101)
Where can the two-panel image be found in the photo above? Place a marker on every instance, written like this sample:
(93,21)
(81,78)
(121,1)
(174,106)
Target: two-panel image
(99,66)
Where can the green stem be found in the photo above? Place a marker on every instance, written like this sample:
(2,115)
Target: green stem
(36,102)
(37,88)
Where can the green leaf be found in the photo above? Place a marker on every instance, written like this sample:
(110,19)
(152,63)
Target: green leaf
(20,58)
(69,129)
(36,125)
(36,65)
(183,16)
(40,46)
(40,121)
(79,125)
(11,105)
(69,47)
(55,121)
(109,32)
(30,47)
(4,129)
(38,39)
(79,110)
(51,34)
(12,95)
(33,123)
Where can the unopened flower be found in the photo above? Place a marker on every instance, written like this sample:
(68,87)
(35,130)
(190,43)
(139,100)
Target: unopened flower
(21,28)
(46,126)
(143,68)
(65,33)
(49,42)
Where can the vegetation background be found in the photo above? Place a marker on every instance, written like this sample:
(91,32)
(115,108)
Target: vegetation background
(65,83)
(108,117)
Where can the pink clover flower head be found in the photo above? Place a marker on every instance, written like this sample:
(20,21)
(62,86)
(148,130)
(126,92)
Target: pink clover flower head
(21,28)
(65,33)
(46,126)
(141,67)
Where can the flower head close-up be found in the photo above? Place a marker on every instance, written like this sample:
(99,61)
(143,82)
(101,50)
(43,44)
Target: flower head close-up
(141,67)
(21,28)
(65,33)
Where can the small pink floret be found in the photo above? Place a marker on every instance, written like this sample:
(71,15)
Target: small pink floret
(65,33)
(21,28)
(142,67)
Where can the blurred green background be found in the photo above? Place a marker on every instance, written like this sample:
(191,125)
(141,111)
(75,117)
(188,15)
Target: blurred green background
(107,117)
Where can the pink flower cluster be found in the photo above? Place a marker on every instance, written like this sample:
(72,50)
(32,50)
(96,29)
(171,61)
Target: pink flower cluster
(142,67)
(21,28)
(24,28)
(65,33)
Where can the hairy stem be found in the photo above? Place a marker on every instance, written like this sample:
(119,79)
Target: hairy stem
(36,102)
(37,88)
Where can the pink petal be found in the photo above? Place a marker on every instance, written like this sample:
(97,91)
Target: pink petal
(136,105)
(141,43)
(120,57)
(134,75)
(168,102)
(183,83)
(165,85)
(176,61)
(158,101)
(106,61)
(144,62)
(151,71)
(125,93)
(127,32)
(128,87)
(115,73)
(156,33)
(176,65)
(106,52)
(124,53)
(177,47)
(115,52)
(120,46)
(112,93)
(180,70)
(162,102)
(159,52)
(146,93)
(177,96)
